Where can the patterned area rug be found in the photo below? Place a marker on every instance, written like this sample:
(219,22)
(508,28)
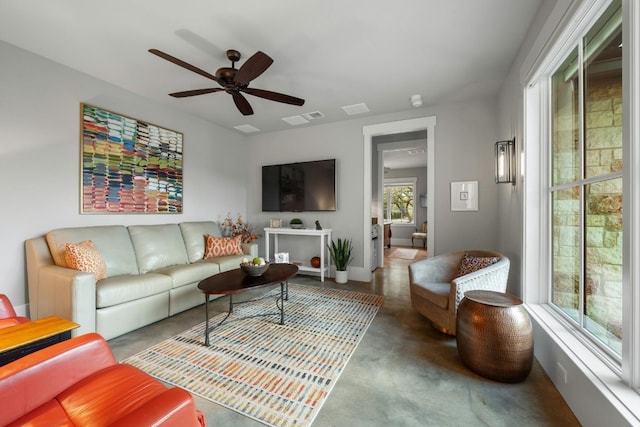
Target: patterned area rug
(403,253)
(277,374)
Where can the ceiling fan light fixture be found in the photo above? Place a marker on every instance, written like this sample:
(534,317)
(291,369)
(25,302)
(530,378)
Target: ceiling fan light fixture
(416,101)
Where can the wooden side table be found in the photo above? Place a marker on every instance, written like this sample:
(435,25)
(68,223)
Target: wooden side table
(20,340)
(495,336)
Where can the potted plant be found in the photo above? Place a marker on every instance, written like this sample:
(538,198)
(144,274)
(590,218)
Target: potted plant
(340,253)
(296,223)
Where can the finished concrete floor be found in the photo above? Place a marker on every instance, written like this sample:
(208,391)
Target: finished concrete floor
(403,373)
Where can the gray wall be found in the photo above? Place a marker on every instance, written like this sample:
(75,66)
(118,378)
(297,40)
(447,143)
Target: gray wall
(465,134)
(587,396)
(40,164)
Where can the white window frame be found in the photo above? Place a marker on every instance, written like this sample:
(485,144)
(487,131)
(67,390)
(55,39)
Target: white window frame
(536,268)
(413,181)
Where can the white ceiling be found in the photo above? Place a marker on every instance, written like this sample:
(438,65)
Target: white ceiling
(403,150)
(332,53)
(402,159)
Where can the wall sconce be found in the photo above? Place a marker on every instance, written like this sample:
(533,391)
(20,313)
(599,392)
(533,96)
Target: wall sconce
(423,200)
(506,162)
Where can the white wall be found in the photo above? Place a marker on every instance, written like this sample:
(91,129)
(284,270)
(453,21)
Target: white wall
(40,164)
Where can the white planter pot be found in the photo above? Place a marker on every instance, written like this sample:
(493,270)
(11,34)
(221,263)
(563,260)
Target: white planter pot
(341,276)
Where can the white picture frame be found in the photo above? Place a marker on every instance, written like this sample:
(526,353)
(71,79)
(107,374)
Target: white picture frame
(464,196)
(275,223)
(281,257)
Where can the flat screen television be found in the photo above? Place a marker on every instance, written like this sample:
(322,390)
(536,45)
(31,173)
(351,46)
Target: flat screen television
(299,187)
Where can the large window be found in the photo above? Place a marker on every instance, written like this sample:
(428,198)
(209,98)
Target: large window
(585,193)
(399,200)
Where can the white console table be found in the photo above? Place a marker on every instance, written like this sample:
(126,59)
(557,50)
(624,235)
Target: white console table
(325,238)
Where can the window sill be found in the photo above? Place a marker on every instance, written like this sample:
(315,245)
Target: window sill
(603,378)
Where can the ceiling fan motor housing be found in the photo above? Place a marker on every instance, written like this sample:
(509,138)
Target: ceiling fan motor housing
(226,74)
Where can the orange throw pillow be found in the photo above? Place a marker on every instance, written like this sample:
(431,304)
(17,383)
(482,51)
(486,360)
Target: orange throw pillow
(223,246)
(85,257)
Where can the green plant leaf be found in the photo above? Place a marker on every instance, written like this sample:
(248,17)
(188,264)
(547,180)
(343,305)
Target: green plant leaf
(340,252)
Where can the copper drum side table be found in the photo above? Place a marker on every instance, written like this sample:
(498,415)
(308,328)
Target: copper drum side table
(495,336)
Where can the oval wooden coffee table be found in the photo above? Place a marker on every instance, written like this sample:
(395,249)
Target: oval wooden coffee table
(237,281)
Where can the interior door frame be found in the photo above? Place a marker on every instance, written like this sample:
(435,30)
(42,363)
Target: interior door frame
(427,123)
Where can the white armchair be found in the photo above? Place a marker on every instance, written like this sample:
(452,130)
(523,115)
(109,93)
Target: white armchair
(436,290)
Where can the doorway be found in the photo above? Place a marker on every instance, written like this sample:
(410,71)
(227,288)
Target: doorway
(373,205)
(404,188)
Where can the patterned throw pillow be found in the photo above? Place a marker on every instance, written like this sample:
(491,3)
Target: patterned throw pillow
(85,257)
(470,263)
(223,246)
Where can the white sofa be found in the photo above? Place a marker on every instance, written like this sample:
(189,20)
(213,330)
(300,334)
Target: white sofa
(152,273)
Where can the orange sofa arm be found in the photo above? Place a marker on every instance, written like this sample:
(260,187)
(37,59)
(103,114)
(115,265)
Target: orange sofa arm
(8,316)
(12,321)
(37,378)
(174,407)
(6,308)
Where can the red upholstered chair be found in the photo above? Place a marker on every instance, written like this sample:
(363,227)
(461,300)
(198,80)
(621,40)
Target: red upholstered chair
(8,315)
(78,382)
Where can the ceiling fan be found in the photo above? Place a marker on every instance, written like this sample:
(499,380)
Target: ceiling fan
(234,81)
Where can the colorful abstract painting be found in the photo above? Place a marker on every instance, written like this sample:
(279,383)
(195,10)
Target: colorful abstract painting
(129,166)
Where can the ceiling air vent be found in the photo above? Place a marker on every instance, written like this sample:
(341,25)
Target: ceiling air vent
(313,115)
(295,120)
(356,109)
(247,128)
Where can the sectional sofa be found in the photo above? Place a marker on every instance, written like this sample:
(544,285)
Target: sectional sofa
(152,272)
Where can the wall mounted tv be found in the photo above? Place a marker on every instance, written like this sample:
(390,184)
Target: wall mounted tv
(299,187)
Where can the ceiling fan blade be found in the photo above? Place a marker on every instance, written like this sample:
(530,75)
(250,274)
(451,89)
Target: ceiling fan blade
(253,67)
(183,64)
(195,92)
(273,96)
(242,103)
